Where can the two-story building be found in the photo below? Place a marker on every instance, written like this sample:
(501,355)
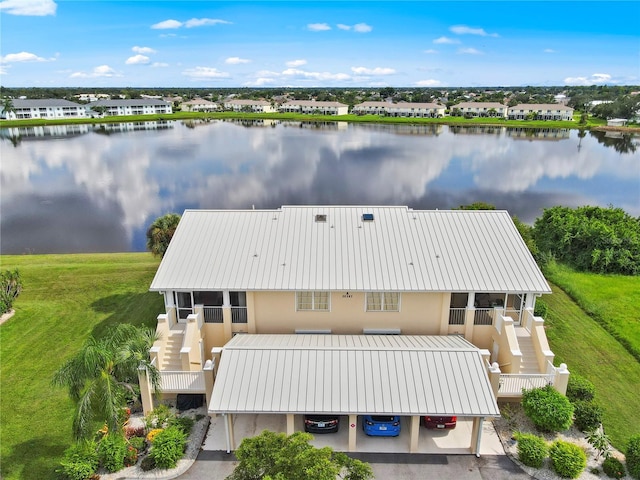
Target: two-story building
(308,107)
(540,111)
(139,106)
(49,108)
(252,106)
(480,109)
(350,311)
(199,105)
(402,109)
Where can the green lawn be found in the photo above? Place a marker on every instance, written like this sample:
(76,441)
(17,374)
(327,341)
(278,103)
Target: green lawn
(65,299)
(612,300)
(589,350)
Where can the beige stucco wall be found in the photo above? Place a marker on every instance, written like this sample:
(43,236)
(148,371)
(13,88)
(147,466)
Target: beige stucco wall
(420,314)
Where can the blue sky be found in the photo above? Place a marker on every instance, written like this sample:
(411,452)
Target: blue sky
(168,43)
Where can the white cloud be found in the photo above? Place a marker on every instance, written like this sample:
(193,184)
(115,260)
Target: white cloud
(204,72)
(36,8)
(293,72)
(261,81)
(358,27)
(22,57)
(428,83)
(465,30)
(236,60)
(549,50)
(373,71)
(167,24)
(143,50)
(100,71)
(446,40)
(594,79)
(318,27)
(159,64)
(202,22)
(469,51)
(362,28)
(431,51)
(137,60)
(296,63)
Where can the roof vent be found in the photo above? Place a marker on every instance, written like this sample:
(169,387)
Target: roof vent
(367,217)
(321,218)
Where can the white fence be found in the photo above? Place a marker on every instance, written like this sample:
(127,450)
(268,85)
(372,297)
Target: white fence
(182,382)
(511,384)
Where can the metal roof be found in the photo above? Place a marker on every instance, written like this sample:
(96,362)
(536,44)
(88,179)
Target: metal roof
(352,374)
(43,102)
(401,250)
(129,102)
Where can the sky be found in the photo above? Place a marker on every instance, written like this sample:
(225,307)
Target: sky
(206,44)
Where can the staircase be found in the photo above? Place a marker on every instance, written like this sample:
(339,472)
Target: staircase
(171,360)
(529,362)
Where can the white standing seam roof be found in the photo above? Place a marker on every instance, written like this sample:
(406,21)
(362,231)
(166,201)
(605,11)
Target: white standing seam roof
(401,250)
(352,374)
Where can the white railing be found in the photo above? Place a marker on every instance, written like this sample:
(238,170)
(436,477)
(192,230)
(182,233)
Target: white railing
(511,384)
(483,316)
(182,382)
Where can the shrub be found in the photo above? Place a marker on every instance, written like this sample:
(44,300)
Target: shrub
(587,415)
(147,463)
(613,467)
(633,456)
(159,417)
(130,431)
(532,450)
(80,461)
(568,459)
(111,451)
(130,456)
(541,309)
(183,423)
(10,288)
(168,447)
(152,434)
(548,409)
(138,443)
(600,442)
(579,388)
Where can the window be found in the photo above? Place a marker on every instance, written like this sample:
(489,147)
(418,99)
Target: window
(383,302)
(318,301)
(183,302)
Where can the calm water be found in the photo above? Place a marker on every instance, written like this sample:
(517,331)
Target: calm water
(88,188)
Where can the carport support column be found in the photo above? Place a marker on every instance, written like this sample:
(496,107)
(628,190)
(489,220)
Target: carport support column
(415,432)
(476,435)
(290,423)
(228,426)
(353,430)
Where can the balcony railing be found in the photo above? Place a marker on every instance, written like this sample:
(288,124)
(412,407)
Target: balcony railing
(457,315)
(177,382)
(512,384)
(213,315)
(483,316)
(238,314)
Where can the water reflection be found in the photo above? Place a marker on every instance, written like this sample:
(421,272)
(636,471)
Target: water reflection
(89,190)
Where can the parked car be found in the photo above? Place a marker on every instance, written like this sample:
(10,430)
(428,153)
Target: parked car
(321,423)
(431,421)
(381,425)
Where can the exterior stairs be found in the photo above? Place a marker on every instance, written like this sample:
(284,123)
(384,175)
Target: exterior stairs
(171,360)
(529,363)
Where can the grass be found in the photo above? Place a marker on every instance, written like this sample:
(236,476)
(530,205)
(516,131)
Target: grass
(592,122)
(611,300)
(65,299)
(589,350)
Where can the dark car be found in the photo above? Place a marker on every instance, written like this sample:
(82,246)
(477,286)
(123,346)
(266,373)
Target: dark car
(431,421)
(321,423)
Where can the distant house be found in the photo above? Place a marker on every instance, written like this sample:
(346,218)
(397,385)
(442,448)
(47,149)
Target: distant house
(199,105)
(540,111)
(617,122)
(403,109)
(44,108)
(481,109)
(140,106)
(253,106)
(311,106)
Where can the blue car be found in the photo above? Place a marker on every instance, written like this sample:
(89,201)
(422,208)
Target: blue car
(381,425)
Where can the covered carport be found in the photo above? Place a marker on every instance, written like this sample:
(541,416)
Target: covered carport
(353,375)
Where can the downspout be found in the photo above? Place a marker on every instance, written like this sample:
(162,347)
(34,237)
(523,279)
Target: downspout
(226,430)
(479,437)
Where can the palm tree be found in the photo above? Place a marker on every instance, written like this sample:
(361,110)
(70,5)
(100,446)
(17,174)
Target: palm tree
(104,373)
(160,233)
(7,107)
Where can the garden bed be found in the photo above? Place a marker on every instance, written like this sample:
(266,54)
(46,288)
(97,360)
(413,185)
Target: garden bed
(514,420)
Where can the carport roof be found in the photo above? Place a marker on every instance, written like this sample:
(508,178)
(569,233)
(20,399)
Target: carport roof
(352,374)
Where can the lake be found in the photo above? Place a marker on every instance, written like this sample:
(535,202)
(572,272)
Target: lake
(96,188)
